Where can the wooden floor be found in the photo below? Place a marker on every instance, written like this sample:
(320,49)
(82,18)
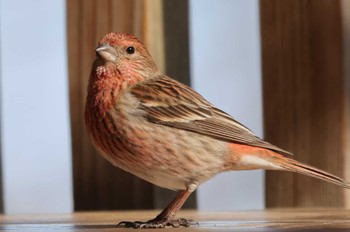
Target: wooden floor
(270,220)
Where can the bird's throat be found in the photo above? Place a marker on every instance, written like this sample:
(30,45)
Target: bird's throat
(105,86)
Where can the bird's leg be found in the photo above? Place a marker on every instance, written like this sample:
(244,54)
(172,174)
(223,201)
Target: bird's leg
(166,217)
(168,214)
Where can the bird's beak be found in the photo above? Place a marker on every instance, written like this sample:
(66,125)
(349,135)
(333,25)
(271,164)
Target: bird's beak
(107,53)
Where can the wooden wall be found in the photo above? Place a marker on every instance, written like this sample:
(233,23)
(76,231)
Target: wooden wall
(304,96)
(163,26)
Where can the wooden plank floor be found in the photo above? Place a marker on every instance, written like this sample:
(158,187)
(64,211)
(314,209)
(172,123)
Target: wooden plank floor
(270,220)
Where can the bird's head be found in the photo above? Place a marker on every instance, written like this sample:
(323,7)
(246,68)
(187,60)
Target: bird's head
(126,54)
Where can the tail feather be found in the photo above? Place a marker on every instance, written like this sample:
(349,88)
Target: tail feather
(297,167)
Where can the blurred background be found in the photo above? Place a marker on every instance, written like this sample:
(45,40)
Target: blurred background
(282,68)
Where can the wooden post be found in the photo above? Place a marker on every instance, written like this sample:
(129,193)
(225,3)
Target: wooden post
(97,184)
(345,6)
(304,94)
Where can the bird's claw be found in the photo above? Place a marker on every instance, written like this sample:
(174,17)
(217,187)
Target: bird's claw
(156,223)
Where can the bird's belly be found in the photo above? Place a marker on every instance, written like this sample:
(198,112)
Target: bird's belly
(165,156)
(165,180)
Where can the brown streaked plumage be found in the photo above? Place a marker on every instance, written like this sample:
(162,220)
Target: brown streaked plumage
(166,133)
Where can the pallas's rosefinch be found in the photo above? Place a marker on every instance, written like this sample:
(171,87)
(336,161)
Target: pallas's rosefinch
(165,132)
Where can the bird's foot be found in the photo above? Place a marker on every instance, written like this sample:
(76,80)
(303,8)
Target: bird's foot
(157,223)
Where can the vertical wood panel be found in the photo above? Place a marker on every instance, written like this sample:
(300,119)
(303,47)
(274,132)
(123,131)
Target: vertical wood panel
(345,6)
(303,93)
(97,184)
(176,38)
(154,33)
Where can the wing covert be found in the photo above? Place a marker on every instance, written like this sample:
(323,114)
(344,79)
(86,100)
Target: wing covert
(170,103)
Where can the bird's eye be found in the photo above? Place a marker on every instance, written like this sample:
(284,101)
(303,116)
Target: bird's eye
(130,50)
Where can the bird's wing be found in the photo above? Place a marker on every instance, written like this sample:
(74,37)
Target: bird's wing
(168,102)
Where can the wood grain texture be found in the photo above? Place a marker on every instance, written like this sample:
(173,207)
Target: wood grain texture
(345,7)
(97,184)
(320,220)
(303,91)
(176,39)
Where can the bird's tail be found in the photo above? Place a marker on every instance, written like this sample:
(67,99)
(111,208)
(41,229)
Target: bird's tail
(298,167)
(260,158)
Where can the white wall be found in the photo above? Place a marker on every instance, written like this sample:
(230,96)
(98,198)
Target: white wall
(35,120)
(225,68)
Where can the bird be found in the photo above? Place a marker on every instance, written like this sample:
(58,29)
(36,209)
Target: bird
(166,133)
